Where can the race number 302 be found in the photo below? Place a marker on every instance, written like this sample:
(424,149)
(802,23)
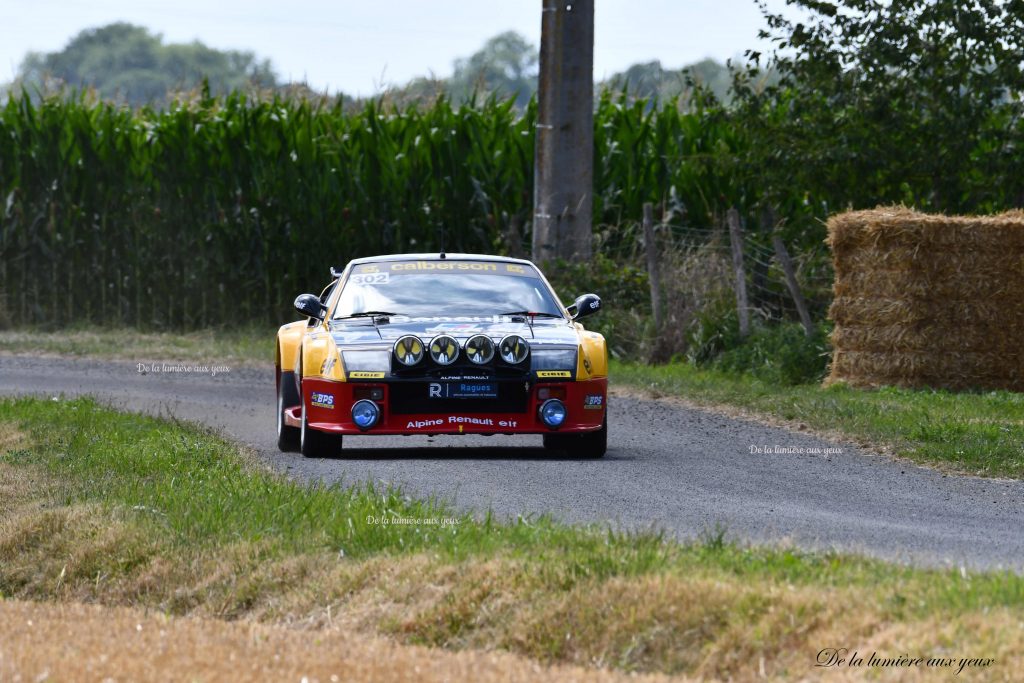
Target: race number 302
(370,279)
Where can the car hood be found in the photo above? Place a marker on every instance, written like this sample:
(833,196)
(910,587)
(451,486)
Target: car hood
(542,331)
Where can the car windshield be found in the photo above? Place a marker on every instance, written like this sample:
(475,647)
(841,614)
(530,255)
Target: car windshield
(445,288)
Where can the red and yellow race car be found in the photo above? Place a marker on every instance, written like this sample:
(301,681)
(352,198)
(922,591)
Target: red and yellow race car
(441,344)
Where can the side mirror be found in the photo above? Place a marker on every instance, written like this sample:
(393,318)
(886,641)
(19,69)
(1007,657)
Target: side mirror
(309,304)
(584,306)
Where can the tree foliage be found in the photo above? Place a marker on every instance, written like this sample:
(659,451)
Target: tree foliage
(915,101)
(128,63)
(506,66)
(653,82)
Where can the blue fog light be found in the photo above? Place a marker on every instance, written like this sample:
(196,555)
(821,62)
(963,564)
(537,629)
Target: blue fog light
(365,414)
(552,413)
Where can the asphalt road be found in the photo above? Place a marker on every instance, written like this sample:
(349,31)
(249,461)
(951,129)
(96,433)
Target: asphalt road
(681,470)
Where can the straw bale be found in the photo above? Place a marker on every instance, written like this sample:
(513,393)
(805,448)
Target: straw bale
(900,226)
(898,283)
(919,370)
(924,300)
(951,314)
(925,339)
(935,265)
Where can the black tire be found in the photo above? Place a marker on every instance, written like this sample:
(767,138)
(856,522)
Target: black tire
(317,444)
(287,396)
(589,446)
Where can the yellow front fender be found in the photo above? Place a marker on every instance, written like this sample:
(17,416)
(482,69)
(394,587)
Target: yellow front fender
(593,357)
(289,341)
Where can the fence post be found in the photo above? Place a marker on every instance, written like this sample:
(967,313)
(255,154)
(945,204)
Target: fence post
(794,287)
(736,238)
(653,275)
(514,237)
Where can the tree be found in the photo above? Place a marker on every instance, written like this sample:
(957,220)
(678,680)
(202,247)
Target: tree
(127,62)
(652,82)
(892,100)
(506,66)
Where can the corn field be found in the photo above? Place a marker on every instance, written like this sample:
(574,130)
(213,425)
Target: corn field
(220,211)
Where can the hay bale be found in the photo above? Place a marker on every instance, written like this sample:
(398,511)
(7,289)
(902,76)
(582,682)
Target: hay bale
(928,301)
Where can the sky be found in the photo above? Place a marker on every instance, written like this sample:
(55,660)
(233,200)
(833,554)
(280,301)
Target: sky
(361,48)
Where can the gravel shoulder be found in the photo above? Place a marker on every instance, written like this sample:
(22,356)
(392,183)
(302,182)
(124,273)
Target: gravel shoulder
(686,470)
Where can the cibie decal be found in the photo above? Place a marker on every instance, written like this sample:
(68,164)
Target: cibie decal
(554,373)
(321,400)
(593,401)
(364,374)
(327,366)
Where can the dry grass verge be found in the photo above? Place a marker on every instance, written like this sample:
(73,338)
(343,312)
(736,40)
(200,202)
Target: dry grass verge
(75,642)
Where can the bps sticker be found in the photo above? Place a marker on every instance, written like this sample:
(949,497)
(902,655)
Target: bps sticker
(362,374)
(554,373)
(593,401)
(323,400)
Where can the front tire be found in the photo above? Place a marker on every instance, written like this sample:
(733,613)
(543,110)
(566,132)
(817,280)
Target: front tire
(287,396)
(317,444)
(589,446)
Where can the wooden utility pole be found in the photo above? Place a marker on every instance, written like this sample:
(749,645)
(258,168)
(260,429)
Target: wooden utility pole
(794,287)
(736,238)
(564,154)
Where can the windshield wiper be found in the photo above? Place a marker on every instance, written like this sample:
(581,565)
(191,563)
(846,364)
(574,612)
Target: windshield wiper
(533,314)
(368,314)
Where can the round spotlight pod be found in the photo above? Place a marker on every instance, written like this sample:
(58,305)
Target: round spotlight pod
(365,413)
(444,349)
(513,349)
(552,413)
(409,350)
(479,349)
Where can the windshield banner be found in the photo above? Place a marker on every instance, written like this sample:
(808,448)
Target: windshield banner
(444,267)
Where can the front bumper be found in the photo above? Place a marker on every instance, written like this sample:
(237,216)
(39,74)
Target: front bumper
(329,409)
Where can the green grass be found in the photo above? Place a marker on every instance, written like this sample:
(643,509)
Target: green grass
(245,345)
(127,509)
(978,433)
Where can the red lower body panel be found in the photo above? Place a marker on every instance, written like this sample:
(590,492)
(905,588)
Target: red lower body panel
(329,409)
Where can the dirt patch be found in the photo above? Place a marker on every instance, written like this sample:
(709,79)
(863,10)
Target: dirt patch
(48,642)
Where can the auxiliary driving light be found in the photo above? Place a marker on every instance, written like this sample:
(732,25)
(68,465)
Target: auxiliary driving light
(365,414)
(480,349)
(552,413)
(513,349)
(444,349)
(409,350)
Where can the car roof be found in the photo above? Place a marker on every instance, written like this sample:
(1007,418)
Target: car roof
(435,256)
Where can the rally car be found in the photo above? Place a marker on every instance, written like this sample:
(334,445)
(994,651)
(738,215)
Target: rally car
(441,344)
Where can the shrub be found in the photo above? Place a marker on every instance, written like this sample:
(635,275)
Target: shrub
(778,354)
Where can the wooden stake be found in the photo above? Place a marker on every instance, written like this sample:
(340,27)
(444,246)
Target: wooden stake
(794,287)
(736,238)
(653,275)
